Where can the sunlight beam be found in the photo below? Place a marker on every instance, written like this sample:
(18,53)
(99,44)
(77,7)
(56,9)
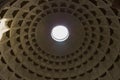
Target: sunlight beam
(3,27)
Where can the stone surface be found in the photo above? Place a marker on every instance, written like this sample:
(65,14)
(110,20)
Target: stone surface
(91,53)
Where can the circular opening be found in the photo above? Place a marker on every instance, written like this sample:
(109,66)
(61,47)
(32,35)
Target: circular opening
(60,33)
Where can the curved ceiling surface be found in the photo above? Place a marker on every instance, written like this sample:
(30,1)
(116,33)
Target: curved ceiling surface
(28,52)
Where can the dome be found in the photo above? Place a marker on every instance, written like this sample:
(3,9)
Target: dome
(33,46)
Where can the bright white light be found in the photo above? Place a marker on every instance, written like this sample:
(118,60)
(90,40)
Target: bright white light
(60,33)
(3,27)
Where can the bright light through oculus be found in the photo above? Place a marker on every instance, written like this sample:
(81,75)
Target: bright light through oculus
(60,33)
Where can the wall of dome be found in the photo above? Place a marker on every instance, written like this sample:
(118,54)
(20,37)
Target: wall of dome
(27,51)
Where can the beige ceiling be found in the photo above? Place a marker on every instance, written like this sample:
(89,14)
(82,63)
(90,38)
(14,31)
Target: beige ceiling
(27,51)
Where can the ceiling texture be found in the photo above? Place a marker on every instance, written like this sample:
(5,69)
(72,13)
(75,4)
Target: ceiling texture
(27,51)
